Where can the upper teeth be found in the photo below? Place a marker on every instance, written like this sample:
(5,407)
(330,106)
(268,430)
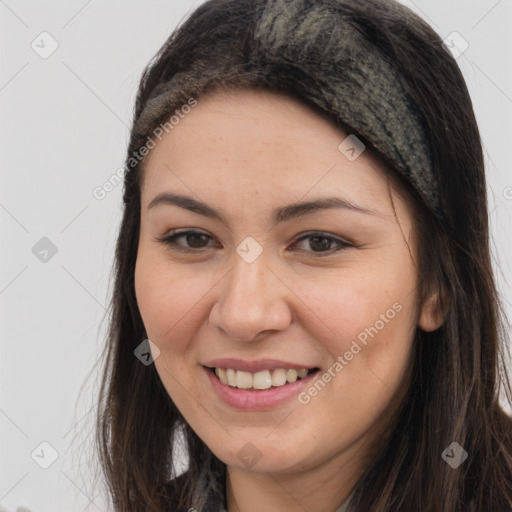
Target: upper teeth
(259,380)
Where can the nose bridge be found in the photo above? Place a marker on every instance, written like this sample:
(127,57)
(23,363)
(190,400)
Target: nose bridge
(248,285)
(251,300)
(248,281)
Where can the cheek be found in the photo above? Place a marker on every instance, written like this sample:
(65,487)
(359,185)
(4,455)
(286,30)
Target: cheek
(368,322)
(156,306)
(362,305)
(170,299)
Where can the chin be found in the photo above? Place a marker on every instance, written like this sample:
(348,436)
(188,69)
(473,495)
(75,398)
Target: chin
(260,457)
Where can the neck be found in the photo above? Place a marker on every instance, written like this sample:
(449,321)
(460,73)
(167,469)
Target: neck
(321,488)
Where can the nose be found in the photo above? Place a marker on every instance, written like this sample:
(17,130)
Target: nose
(252,301)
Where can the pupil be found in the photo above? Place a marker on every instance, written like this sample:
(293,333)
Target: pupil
(191,237)
(322,246)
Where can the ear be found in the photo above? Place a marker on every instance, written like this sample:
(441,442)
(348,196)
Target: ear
(433,311)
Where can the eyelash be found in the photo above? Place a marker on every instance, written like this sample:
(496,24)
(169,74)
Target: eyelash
(170,241)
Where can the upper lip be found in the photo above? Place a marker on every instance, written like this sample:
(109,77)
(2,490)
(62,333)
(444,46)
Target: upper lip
(254,366)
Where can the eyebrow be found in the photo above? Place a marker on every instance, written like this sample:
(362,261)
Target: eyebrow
(281,214)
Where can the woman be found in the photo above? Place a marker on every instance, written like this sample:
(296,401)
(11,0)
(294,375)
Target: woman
(304,296)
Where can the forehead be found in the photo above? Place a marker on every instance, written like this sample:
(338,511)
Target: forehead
(257,137)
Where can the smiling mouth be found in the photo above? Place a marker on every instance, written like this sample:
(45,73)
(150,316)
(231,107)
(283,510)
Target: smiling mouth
(262,380)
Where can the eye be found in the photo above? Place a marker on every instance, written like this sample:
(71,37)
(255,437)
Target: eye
(196,239)
(321,243)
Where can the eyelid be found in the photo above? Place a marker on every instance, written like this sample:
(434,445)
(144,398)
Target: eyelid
(168,241)
(323,234)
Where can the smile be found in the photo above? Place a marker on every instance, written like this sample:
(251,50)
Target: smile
(261,380)
(261,390)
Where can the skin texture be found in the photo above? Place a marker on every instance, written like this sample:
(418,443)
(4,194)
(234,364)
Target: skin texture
(246,153)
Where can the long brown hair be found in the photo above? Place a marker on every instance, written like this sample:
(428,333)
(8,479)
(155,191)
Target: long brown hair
(458,370)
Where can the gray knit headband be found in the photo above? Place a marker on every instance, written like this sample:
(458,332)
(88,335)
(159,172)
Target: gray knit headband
(352,81)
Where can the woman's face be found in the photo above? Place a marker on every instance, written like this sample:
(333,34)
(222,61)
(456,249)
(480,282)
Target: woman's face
(268,287)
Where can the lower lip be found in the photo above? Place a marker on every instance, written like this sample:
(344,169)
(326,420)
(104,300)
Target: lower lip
(257,400)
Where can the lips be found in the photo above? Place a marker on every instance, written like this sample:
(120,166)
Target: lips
(259,384)
(257,399)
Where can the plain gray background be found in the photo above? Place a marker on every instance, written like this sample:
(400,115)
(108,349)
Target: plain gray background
(64,129)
